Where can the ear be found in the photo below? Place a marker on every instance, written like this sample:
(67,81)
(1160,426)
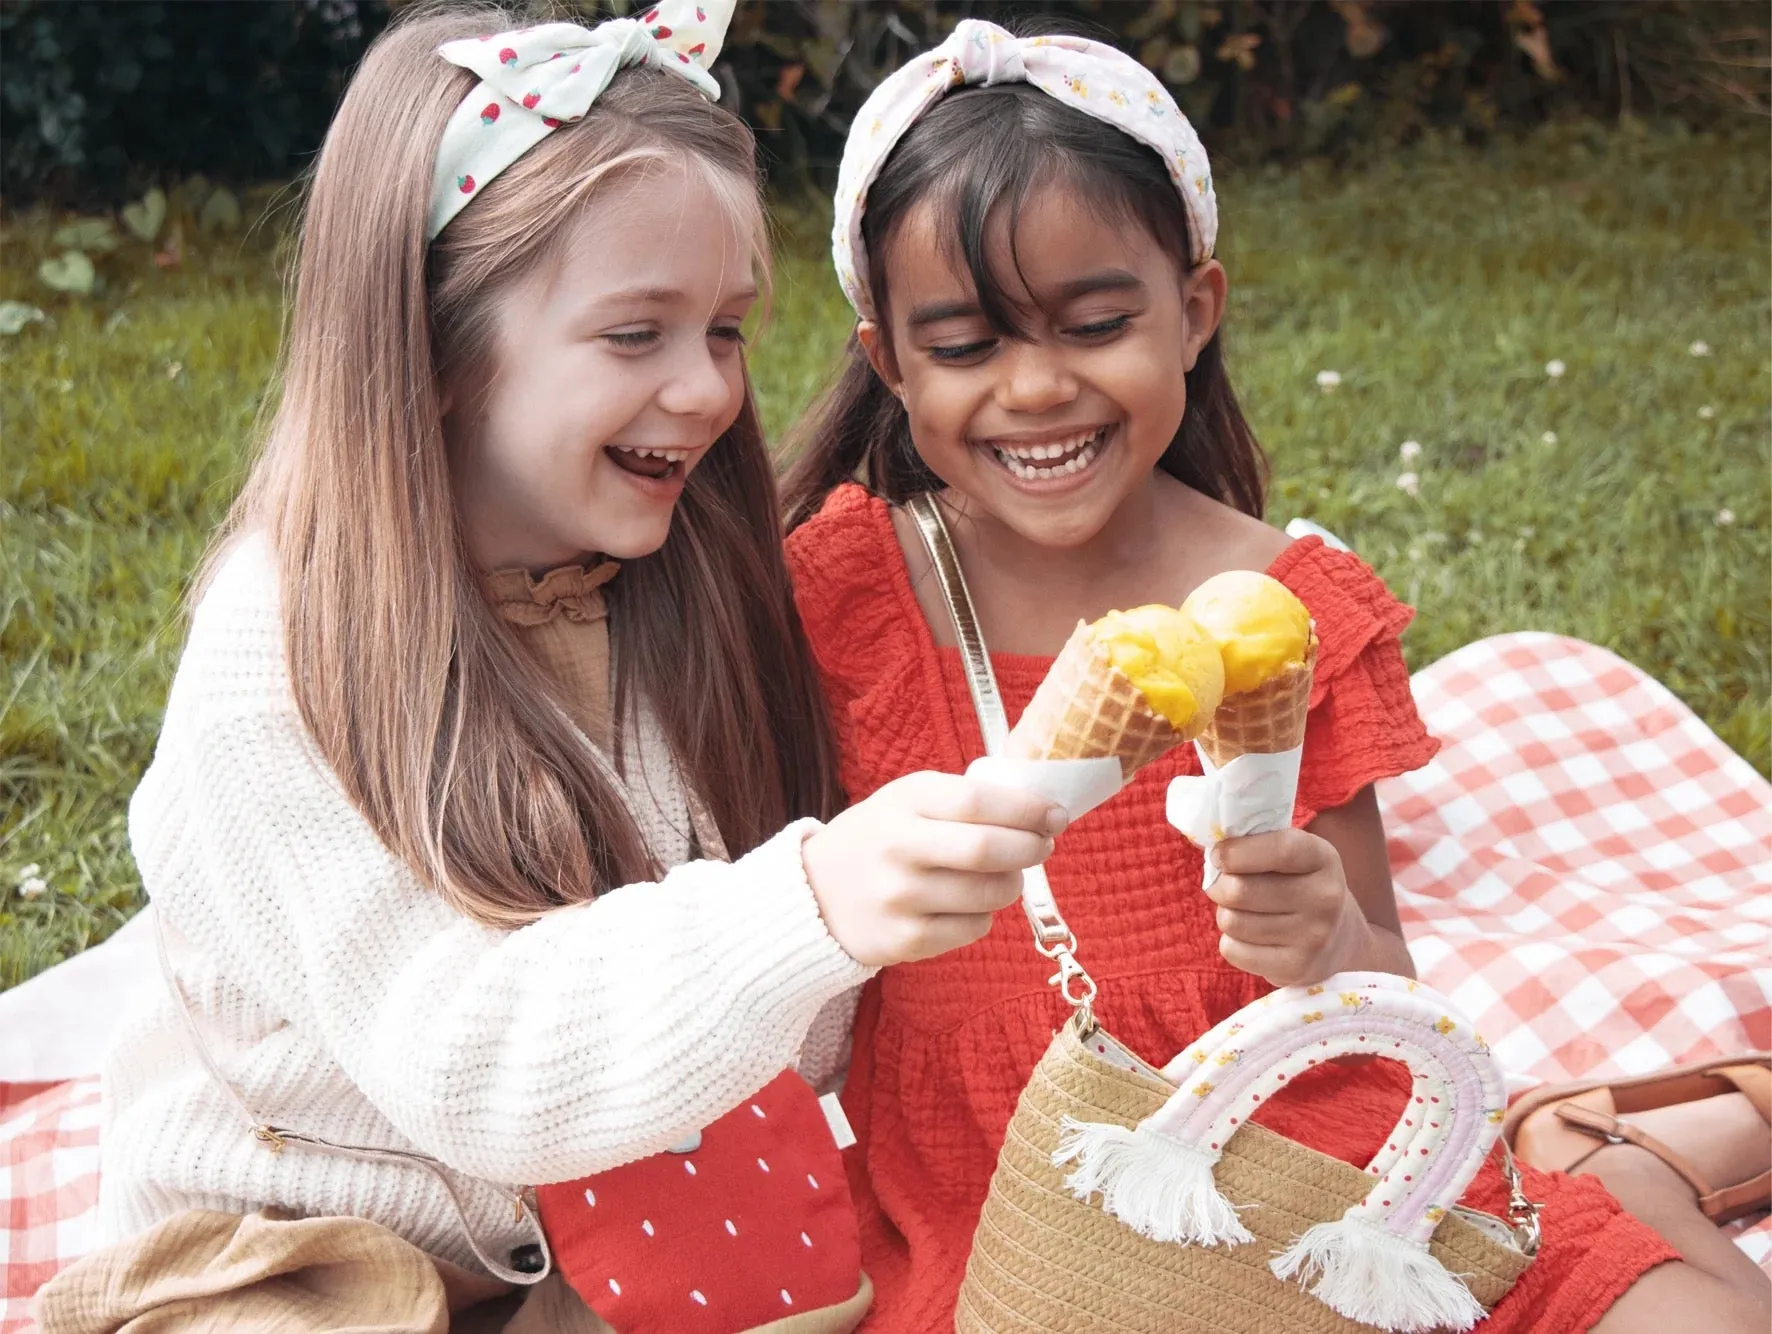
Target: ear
(879,353)
(1202,307)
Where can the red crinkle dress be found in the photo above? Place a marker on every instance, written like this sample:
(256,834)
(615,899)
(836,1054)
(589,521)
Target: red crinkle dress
(943,1046)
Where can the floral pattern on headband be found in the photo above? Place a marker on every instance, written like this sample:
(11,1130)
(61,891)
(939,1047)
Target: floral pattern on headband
(1092,77)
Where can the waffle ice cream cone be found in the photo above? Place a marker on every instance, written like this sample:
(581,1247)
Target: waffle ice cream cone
(1264,721)
(1087,708)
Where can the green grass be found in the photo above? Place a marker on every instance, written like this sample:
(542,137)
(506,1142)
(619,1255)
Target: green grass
(1438,285)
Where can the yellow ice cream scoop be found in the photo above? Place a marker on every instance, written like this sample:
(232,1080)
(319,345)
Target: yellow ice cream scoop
(1175,664)
(1261,628)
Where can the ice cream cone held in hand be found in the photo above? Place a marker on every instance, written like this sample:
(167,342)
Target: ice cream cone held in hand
(1269,649)
(1133,685)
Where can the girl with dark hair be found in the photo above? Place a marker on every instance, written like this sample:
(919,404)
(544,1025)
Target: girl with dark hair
(1025,228)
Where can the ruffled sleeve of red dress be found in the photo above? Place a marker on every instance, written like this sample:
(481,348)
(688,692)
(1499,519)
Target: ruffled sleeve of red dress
(863,623)
(1363,722)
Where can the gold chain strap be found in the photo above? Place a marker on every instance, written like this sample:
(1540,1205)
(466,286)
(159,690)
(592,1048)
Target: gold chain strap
(1053,936)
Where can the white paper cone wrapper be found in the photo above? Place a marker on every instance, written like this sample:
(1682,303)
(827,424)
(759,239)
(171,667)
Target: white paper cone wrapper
(1253,794)
(1077,785)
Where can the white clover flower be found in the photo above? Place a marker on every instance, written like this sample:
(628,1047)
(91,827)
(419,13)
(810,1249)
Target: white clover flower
(1699,348)
(1555,368)
(1549,437)
(1725,517)
(31,886)
(1706,413)
(27,872)
(1410,451)
(1328,380)
(1409,484)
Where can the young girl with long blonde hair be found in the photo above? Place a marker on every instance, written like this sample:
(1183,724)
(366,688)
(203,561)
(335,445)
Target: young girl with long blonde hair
(496,662)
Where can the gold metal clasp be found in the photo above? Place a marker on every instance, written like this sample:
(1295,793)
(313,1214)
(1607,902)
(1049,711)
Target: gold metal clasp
(1528,1232)
(267,1135)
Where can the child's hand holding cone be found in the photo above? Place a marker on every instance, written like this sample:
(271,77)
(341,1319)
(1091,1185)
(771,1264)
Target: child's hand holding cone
(1283,905)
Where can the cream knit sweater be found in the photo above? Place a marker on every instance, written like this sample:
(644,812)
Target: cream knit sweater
(345,1000)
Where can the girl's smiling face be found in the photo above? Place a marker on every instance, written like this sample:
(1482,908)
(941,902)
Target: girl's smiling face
(615,372)
(1051,430)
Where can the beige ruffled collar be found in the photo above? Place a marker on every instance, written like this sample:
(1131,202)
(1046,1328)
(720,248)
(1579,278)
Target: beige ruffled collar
(572,591)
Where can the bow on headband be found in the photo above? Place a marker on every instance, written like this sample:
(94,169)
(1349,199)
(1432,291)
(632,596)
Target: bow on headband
(1092,77)
(534,80)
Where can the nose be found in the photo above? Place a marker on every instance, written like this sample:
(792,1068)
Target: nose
(1035,378)
(697,386)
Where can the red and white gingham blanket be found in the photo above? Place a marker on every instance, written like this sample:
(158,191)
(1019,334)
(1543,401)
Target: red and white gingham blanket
(1585,869)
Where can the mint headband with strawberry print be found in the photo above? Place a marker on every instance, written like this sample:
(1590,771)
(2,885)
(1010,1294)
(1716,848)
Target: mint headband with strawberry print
(1094,78)
(534,80)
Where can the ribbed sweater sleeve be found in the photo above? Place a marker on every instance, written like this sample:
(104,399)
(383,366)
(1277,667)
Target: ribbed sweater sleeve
(597,1035)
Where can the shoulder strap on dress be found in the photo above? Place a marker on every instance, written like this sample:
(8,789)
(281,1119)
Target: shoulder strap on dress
(981,678)
(1053,936)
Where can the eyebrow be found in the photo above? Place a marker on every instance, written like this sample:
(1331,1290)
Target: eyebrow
(665,296)
(1108,280)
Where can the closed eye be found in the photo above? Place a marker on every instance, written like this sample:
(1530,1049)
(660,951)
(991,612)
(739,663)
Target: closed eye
(729,333)
(963,351)
(633,339)
(1102,328)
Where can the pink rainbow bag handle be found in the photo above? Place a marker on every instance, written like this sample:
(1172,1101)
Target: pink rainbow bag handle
(1373,1263)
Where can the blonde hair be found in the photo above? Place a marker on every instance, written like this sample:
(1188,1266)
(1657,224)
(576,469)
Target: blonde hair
(440,728)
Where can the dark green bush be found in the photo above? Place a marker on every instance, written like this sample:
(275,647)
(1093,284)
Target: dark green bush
(100,97)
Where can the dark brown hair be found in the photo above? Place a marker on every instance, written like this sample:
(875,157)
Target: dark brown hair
(976,153)
(440,727)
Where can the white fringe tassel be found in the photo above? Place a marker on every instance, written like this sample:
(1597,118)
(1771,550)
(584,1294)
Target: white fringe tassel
(1153,1183)
(1378,1278)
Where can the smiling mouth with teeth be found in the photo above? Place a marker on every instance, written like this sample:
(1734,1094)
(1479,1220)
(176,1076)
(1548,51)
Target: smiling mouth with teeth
(656,464)
(1051,459)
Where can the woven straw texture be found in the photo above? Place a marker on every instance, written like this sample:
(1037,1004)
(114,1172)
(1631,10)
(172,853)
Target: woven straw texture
(1044,1261)
(1262,721)
(1087,708)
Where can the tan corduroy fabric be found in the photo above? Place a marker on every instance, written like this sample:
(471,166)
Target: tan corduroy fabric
(202,1272)
(561,618)
(1044,1261)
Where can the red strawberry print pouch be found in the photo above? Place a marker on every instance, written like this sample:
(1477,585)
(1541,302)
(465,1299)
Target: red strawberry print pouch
(747,1226)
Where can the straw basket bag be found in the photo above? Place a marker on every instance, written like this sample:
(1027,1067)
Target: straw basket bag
(1140,1200)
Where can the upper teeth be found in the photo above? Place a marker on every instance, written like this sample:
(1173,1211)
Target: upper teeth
(1053,449)
(650,453)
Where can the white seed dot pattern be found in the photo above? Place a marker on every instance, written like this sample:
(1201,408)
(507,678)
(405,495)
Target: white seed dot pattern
(696,1297)
(785,1299)
(646,1226)
(590,1197)
(805,1240)
(762,1164)
(731,1231)
(759,1111)
(689,1168)
(812,1181)
(615,1287)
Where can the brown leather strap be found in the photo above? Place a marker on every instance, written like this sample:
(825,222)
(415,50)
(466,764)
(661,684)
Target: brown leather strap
(1599,1124)
(1754,1082)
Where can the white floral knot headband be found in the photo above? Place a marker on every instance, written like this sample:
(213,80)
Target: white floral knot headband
(1096,79)
(534,80)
